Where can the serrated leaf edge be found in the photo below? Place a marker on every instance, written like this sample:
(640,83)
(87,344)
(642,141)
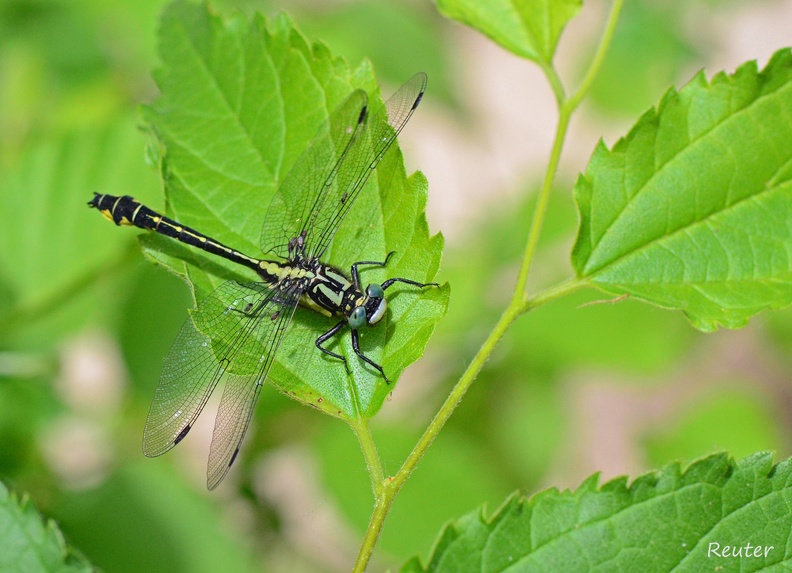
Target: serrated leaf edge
(726,465)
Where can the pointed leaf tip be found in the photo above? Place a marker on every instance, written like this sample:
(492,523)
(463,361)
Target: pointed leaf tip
(692,210)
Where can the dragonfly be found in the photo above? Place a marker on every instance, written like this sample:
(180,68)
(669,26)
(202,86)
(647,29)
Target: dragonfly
(234,333)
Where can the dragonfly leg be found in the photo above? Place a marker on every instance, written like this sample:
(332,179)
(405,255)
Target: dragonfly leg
(363,357)
(356,277)
(330,334)
(389,282)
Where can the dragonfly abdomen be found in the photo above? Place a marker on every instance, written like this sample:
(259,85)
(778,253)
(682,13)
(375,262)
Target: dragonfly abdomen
(127,210)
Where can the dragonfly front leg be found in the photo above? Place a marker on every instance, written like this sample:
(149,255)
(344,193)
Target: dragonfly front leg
(356,276)
(390,282)
(363,357)
(330,334)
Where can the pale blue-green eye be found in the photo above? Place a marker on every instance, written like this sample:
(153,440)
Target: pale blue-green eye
(357,318)
(375,291)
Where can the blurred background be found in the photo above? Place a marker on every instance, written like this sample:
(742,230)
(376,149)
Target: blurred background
(573,389)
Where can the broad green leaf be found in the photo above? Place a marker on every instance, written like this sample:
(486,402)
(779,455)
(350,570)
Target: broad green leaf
(29,543)
(693,209)
(43,205)
(663,521)
(240,100)
(528,28)
(51,245)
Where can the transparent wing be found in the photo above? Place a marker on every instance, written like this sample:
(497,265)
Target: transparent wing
(230,332)
(314,172)
(325,181)
(367,149)
(244,384)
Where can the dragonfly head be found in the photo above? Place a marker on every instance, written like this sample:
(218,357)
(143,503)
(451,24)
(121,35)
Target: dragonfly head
(371,309)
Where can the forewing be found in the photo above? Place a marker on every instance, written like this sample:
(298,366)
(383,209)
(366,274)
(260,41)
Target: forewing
(370,144)
(312,177)
(207,346)
(244,381)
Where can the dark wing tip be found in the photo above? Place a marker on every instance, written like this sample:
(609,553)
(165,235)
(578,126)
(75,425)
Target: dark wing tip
(420,79)
(215,477)
(417,100)
(233,457)
(182,434)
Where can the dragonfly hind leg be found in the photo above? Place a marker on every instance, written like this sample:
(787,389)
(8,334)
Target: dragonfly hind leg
(328,335)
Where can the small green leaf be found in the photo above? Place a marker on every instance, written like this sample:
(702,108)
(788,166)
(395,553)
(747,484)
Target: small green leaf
(693,209)
(240,100)
(667,520)
(29,544)
(528,28)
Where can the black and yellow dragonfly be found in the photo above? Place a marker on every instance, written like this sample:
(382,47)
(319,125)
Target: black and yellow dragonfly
(234,333)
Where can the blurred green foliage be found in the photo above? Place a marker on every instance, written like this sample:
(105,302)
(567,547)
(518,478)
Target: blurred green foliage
(71,75)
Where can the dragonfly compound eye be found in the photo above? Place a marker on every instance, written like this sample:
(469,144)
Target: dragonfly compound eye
(375,291)
(357,318)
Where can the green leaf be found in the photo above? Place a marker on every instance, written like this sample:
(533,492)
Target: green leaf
(667,520)
(528,28)
(29,544)
(43,202)
(51,244)
(693,209)
(240,100)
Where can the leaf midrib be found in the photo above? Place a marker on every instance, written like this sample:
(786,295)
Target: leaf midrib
(659,170)
(659,497)
(684,228)
(235,118)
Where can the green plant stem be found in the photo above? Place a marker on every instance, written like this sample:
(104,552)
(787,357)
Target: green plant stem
(599,57)
(555,82)
(391,486)
(518,298)
(520,303)
(361,428)
(550,294)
